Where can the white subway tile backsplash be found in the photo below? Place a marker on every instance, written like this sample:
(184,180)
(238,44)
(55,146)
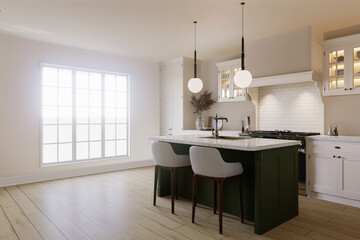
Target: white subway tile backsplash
(296,107)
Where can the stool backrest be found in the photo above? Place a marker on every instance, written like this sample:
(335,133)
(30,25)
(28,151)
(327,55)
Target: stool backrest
(163,154)
(206,161)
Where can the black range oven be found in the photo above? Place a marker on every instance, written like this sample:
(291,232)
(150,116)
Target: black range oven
(289,135)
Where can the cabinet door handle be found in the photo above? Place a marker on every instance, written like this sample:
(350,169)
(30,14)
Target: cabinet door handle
(334,156)
(350,88)
(345,89)
(342,174)
(339,157)
(337,147)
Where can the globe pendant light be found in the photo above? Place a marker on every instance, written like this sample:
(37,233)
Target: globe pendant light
(195,84)
(243,77)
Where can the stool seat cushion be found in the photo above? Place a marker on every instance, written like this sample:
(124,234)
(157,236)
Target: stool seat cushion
(208,162)
(165,156)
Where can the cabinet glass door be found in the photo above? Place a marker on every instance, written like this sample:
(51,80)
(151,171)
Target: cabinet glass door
(225,83)
(237,91)
(336,69)
(356,67)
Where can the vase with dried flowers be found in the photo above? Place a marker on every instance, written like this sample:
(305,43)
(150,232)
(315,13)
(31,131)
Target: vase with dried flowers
(203,103)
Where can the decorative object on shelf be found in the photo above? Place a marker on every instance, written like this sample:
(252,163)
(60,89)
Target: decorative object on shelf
(243,77)
(340,72)
(203,103)
(195,84)
(340,58)
(358,54)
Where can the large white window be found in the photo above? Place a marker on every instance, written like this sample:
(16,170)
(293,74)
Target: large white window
(84,114)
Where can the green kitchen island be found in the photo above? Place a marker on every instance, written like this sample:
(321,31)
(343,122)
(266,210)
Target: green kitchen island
(270,178)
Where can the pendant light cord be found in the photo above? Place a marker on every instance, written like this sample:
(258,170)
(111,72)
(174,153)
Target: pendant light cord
(242,38)
(195,65)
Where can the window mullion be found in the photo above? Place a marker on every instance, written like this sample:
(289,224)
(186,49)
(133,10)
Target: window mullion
(73,115)
(102,115)
(57,116)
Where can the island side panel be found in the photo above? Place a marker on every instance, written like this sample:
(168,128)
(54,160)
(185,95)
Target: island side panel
(276,187)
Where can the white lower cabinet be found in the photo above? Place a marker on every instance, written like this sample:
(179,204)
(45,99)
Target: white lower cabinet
(334,168)
(323,174)
(350,178)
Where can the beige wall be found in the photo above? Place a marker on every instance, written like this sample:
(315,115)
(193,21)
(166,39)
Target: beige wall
(20,102)
(344,112)
(339,110)
(288,53)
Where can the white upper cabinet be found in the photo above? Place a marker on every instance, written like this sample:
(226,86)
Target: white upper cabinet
(175,109)
(342,65)
(227,89)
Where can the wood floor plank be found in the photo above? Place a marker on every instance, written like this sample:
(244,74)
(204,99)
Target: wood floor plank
(85,223)
(320,236)
(43,225)
(321,228)
(118,205)
(23,227)
(111,222)
(192,233)
(5,226)
(164,231)
(70,229)
(282,233)
(294,228)
(10,237)
(5,199)
(331,212)
(26,205)
(319,202)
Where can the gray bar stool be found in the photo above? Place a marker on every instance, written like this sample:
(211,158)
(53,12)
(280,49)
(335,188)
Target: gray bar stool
(165,157)
(207,163)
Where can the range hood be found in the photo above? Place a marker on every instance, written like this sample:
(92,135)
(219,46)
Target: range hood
(301,77)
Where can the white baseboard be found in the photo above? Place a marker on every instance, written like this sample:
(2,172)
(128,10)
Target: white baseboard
(10,181)
(331,198)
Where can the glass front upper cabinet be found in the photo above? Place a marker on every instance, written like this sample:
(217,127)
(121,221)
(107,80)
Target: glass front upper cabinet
(228,91)
(341,65)
(356,67)
(336,69)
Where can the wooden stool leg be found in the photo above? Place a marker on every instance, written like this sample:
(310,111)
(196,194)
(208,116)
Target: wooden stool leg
(176,183)
(220,189)
(172,189)
(215,195)
(241,199)
(155,183)
(194,198)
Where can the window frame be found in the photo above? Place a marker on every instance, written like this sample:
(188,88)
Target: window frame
(73,122)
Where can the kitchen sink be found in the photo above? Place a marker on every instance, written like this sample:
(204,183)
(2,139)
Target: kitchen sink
(228,137)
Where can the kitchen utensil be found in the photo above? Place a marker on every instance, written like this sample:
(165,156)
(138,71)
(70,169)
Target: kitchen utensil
(336,133)
(330,132)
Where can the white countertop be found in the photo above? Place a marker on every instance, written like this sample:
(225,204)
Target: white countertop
(355,139)
(247,144)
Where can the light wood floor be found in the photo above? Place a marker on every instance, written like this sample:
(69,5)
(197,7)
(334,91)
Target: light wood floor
(118,205)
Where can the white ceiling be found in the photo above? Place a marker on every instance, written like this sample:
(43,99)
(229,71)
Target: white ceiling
(157,30)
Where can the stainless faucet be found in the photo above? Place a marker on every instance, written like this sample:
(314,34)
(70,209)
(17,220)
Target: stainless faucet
(245,128)
(216,133)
